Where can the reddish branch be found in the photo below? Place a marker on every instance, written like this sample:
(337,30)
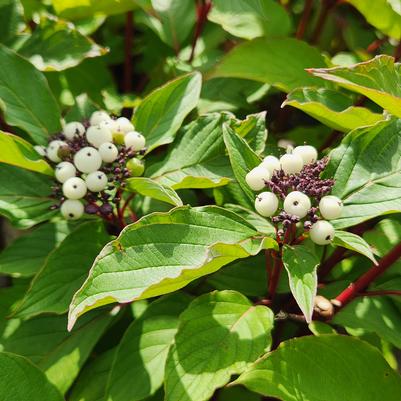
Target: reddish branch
(275,276)
(366,279)
(129,34)
(336,257)
(304,19)
(327,6)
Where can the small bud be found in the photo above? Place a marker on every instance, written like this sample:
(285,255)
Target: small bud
(323,306)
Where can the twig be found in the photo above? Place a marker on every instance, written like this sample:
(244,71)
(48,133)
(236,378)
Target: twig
(303,22)
(327,6)
(336,257)
(366,279)
(129,33)
(127,202)
(275,277)
(397,52)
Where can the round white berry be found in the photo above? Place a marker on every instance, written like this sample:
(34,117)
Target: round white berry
(64,171)
(271,163)
(256,178)
(134,140)
(122,124)
(297,203)
(98,116)
(41,150)
(73,129)
(72,209)
(52,150)
(330,207)
(266,204)
(108,152)
(96,135)
(291,164)
(307,153)
(322,232)
(74,188)
(96,181)
(110,124)
(87,160)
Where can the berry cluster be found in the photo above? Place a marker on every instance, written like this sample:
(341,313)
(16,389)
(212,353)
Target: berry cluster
(295,180)
(92,159)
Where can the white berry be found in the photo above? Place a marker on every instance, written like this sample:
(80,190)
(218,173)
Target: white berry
(99,116)
(73,129)
(108,152)
(271,163)
(297,203)
(266,204)
(87,160)
(307,152)
(96,135)
(64,171)
(96,181)
(72,209)
(110,124)
(122,124)
(41,150)
(256,178)
(330,207)
(52,150)
(74,188)
(291,164)
(134,140)
(322,232)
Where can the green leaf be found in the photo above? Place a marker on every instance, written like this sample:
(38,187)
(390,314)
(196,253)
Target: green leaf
(78,9)
(163,252)
(20,153)
(219,335)
(320,328)
(45,341)
(384,15)
(21,380)
(378,79)
(149,187)
(56,45)
(25,196)
(331,108)
(373,315)
(92,380)
(82,109)
(301,263)
(366,168)
(138,369)
(11,20)
(242,158)
(327,367)
(55,284)
(278,62)
(197,159)
(161,113)
(250,19)
(27,254)
(354,243)
(20,86)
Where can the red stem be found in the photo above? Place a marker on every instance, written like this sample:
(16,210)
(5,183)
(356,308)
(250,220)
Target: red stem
(268,265)
(327,5)
(397,52)
(337,256)
(275,277)
(127,202)
(304,19)
(363,282)
(129,33)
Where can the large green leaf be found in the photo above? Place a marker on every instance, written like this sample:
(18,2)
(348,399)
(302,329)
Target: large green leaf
(56,45)
(45,341)
(25,97)
(161,113)
(278,62)
(24,196)
(138,369)
(20,153)
(219,335)
(385,15)
(21,380)
(354,243)
(11,20)
(326,367)
(197,159)
(27,254)
(242,158)
(64,271)
(331,108)
(378,79)
(149,187)
(301,263)
(366,168)
(250,19)
(163,252)
(372,314)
